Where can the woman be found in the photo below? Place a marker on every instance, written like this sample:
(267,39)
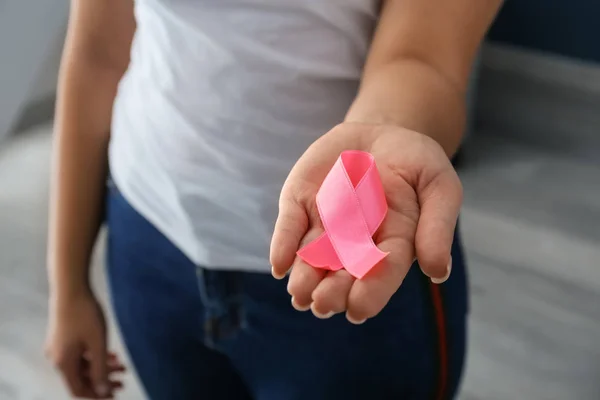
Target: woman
(201,110)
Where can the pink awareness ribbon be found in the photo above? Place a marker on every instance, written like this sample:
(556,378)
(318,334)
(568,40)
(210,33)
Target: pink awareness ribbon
(351,203)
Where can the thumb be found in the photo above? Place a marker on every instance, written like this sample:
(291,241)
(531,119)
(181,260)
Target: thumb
(99,366)
(440,203)
(291,226)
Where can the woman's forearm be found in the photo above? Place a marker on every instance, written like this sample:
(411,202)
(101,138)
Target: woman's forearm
(78,174)
(418,68)
(94,60)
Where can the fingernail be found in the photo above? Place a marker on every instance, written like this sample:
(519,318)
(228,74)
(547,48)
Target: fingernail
(321,315)
(102,389)
(276,275)
(438,281)
(354,321)
(299,307)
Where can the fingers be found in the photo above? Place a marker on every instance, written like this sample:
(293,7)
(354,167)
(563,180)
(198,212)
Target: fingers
(114,366)
(290,228)
(304,278)
(328,293)
(98,361)
(69,366)
(303,281)
(440,205)
(331,294)
(75,371)
(370,294)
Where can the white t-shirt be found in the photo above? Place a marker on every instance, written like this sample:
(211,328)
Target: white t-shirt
(220,100)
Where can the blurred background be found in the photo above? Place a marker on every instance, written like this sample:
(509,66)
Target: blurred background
(531,219)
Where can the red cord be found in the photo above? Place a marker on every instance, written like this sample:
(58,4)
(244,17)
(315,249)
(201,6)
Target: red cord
(438,308)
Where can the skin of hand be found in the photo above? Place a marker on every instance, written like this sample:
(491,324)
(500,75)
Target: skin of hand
(424,196)
(95,56)
(76,346)
(409,114)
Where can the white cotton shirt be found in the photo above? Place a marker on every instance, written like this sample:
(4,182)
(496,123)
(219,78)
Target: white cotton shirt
(219,101)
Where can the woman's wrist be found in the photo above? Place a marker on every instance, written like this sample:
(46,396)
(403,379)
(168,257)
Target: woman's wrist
(415,96)
(65,287)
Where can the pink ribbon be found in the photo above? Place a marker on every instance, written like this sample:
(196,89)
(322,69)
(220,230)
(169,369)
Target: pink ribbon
(352,205)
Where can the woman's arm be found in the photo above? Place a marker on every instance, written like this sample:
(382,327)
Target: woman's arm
(417,72)
(96,55)
(411,112)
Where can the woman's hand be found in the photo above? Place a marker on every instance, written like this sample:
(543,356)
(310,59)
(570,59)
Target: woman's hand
(424,195)
(76,345)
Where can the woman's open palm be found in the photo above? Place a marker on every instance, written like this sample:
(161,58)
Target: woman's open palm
(424,196)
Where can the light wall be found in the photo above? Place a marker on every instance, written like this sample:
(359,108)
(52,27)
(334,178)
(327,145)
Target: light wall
(45,84)
(30,33)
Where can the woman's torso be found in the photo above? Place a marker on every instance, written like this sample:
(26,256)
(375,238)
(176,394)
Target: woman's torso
(220,99)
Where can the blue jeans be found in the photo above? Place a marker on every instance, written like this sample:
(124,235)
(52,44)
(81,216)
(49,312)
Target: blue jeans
(195,333)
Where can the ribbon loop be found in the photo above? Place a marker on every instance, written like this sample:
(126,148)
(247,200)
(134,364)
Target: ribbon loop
(352,206)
